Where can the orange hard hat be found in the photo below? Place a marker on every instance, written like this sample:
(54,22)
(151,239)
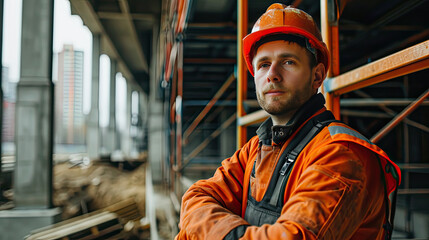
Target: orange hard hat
(282,19)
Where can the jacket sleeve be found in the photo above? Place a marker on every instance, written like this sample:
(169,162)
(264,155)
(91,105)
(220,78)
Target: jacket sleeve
(211,208)
(330,199)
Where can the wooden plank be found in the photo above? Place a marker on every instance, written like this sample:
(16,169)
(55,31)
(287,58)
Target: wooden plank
(94,230)
(52,227)
(103,232)
(75,226)
(120,205)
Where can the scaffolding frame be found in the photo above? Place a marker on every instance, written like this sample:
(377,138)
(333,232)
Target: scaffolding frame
(404,62)
(401,63)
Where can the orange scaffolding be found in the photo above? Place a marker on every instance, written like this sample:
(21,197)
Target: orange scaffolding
(404,62)
(413,59)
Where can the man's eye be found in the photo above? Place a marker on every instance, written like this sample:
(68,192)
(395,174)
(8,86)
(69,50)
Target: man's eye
(264,65)
(288,62)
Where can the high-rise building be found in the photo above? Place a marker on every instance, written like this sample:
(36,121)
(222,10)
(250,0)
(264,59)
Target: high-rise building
(9,100)
(69,120)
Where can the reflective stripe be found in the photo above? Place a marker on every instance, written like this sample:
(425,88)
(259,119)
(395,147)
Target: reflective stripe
(339,129)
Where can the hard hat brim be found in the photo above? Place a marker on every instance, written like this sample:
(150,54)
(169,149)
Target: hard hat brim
(250,40)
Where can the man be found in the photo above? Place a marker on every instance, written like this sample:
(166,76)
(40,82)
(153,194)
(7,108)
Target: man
(305,175)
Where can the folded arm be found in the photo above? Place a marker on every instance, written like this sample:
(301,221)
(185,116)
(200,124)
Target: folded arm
(211,208)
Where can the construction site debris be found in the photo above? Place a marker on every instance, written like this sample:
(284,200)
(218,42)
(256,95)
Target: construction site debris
(82,188)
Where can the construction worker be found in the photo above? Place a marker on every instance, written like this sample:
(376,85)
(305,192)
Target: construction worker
(305,175)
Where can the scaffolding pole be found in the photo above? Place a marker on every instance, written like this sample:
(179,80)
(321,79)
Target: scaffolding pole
(241,71)
(400,117)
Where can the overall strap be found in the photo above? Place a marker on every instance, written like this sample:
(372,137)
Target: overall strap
(390,210)
(288,157)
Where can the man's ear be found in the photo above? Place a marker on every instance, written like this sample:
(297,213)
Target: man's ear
(319,75)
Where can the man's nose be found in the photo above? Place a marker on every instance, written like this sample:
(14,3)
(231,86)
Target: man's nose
(273,73)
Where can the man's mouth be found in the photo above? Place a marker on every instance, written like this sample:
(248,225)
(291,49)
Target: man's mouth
(274,92)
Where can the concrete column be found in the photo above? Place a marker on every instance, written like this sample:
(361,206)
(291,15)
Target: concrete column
(135,129)
(34,109)
(1,97)
(156,141)
(125,138)
(93,129)
(111,129)
(143,117)
(34,126)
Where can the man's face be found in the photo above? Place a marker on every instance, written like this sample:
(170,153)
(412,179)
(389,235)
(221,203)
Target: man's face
(283,77)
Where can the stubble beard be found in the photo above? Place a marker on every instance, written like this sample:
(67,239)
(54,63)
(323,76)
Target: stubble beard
(286,104)
(278,106)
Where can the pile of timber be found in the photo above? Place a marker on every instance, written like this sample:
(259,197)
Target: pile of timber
(114,198)
(79,189)
(118,221)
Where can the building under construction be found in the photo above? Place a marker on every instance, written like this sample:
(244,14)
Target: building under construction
(191,103)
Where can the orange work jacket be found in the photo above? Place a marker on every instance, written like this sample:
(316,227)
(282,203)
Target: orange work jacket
(334,191)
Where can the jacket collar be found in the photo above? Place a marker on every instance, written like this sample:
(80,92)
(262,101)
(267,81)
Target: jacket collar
(280,133)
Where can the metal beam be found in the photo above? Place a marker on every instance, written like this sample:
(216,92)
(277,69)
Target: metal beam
(121,16)
(392,47)
(377,102)
(203,113)
(182,11)
(216,112)
(204,144)
(362,114)
(414,166)
(210,60)
(329,24)
(253,118)
(212,25)
(179,106)
(217,37)
(241,70)
(261,115)
(399,118)
(390,16)
(390,112)
(370,114)
(193,103)
(404,62)
(409,191)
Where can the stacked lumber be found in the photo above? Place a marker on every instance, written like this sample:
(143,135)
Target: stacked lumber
(126,210)
(101,225)
(115,200)
(79,189)
(118,221)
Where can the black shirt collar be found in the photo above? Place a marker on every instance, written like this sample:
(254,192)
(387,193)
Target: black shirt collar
(280,133)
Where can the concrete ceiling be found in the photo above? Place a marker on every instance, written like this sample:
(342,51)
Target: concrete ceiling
(126,27)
